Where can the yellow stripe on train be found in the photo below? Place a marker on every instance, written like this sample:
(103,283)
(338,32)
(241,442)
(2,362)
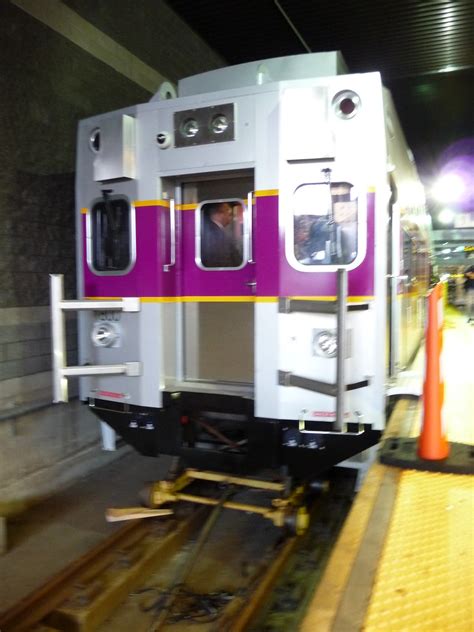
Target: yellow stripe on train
(227,299)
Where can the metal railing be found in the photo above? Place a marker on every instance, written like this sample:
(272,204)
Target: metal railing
(339,388)
(61,372)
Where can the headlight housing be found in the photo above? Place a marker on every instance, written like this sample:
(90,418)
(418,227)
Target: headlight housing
(219,124)
(105,334)
(346,104)
(189,128)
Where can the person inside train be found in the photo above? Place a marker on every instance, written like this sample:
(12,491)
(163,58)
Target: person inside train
(320,243)
(218,249)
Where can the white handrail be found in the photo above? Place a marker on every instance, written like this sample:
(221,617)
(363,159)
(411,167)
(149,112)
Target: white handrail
(58,338)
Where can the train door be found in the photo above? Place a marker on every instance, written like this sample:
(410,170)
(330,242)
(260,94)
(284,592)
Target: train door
(217,280)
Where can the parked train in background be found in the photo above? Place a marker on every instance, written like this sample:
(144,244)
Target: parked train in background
(253,257)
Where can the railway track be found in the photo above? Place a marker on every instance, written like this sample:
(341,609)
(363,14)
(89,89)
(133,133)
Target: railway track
(215,568)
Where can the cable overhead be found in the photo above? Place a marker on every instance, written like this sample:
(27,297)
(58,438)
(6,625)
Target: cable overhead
(292,26)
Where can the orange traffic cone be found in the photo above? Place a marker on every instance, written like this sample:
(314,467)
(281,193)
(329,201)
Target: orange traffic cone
(432,443)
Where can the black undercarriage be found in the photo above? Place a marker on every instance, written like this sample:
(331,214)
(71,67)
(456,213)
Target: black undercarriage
(220,432)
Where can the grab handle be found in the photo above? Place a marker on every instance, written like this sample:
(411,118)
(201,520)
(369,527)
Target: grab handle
(250,226)
(168,266)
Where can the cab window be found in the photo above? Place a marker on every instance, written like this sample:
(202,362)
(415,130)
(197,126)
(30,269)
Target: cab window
(221,233)
(111,235)
(325,224)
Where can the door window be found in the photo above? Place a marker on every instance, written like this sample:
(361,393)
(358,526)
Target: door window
(221,234)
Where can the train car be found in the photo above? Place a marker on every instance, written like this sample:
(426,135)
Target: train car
(252,258)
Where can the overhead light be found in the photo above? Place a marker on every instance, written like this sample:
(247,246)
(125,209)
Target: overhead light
(446,251)
(449,188)
(446,216)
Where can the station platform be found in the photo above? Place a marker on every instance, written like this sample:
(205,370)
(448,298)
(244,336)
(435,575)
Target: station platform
(405,557)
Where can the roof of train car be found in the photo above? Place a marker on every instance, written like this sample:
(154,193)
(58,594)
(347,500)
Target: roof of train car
(423,48)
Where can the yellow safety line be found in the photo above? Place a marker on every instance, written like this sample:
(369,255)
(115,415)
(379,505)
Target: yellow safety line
(425,579)
(323,608)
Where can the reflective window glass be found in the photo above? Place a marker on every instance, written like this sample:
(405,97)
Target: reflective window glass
(221,232)
(110,224)
(325,223)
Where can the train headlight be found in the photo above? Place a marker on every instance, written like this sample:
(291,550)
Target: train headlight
(219,124)
(189,128)
(326,343)
(105,334)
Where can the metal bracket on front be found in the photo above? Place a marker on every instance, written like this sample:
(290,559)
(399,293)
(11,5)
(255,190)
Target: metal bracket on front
(58,338)
(284,510)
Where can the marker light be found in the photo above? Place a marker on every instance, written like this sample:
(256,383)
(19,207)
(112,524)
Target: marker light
(327,343)
(104,334)
(346,104)
(94,140)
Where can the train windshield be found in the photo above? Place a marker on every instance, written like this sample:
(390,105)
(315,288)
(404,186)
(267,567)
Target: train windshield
(325,223)
(111,228)
(221,232)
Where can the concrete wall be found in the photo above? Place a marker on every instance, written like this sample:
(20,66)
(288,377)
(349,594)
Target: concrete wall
(60,62)
(45,451)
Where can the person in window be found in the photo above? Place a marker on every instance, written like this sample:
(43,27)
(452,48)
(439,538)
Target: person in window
(217,246)
(319,241)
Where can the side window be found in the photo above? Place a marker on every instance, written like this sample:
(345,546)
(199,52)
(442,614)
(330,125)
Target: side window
(221,225)
(325,223)
(111,235)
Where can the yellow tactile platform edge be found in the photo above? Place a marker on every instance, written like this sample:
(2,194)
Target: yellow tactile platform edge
(425,579)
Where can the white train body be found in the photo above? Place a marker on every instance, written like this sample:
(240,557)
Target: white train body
(228,360)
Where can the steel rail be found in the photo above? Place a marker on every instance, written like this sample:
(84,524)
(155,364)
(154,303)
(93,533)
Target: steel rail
(43,602)
(32,608)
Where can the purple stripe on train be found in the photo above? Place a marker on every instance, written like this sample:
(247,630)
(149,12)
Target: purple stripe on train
(199,282)
(144,278)
(273,274)
(318,283)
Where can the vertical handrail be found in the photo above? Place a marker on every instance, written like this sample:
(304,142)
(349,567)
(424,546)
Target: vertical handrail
(342,289)
(250,226)
(58,338)
(172,261)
